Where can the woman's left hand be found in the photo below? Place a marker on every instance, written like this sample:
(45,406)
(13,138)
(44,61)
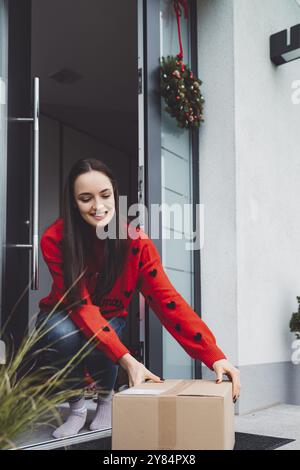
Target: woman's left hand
(224,367)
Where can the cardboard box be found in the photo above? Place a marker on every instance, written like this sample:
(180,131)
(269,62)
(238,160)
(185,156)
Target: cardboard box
(175,414)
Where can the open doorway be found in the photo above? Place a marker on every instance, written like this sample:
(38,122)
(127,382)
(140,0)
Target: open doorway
(86,57)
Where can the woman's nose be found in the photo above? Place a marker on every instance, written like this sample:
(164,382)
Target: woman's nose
(98,206)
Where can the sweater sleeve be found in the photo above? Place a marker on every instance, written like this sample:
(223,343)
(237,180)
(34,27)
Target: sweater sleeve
(181,321)
(85,315)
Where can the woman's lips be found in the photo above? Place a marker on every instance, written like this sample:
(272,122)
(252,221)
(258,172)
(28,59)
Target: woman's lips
(99,217)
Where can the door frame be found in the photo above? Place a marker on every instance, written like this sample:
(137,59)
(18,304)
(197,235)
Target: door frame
(152,162)
(153,177)
(196,177)
(152,153)
(18,174)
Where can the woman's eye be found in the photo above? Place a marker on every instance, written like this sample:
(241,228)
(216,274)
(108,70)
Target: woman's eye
(87,200)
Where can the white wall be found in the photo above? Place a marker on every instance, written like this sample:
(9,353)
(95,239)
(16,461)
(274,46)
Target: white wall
(267,126)
(249,179)
(217,173)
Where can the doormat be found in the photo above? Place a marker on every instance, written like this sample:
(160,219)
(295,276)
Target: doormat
(243,441)
(97,444)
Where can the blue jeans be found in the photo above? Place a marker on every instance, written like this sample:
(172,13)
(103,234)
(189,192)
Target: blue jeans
(65,339)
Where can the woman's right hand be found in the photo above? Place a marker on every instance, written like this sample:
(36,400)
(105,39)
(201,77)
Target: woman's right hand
(137,372)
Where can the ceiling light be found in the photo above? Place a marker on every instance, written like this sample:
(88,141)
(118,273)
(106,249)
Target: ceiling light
(66,76)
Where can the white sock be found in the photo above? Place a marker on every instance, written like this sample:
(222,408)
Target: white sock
(75,420)
(102,419)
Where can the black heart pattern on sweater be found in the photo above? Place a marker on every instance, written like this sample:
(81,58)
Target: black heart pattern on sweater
(177,327)
(198,337)
(128,293)
(171,304)
(106,328)
(140,264)
(135,250)
(111,302)
(153,272)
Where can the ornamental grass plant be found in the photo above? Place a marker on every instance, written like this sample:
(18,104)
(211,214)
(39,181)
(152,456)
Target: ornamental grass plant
(29,394)
(295,321)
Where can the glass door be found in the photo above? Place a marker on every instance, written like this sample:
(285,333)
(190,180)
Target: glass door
(18,218)
(3,148)
(176,153)
(85,55)
(171,156)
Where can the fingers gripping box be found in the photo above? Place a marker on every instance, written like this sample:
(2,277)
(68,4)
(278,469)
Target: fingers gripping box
(175,414)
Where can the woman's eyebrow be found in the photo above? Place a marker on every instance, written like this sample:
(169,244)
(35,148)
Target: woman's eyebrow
(103,190)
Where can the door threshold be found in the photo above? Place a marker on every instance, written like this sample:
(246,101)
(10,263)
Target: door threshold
(40,437)
(67,441)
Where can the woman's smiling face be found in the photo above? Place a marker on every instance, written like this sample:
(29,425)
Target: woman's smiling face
(94,197)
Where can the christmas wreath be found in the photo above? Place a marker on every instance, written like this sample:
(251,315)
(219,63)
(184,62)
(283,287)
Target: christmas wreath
(179,86)
(181,91)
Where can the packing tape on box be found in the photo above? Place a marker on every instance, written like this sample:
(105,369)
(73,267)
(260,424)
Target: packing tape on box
(167,416)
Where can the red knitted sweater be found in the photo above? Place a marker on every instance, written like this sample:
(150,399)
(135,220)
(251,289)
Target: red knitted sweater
(143,271)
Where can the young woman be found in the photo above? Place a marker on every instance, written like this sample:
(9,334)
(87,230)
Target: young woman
(109,270)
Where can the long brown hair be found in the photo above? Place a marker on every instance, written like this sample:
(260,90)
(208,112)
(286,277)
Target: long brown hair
(75,241)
